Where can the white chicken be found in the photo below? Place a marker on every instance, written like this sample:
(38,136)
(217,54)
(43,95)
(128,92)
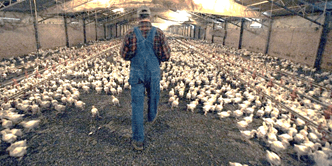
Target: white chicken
(6,123)
(30,125)
(16,144)
(115,101)
(242,124)
(175,103)
(301,150)
(273,158)
(94,112)
(18,151)
(224,114)
(9,137)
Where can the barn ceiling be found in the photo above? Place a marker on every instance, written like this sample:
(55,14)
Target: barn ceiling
(167,11)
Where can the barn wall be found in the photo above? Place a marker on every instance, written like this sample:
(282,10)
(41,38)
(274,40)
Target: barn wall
(292,38)
(254,39)
(326,62)
(16,40)
(296,39)
(233,36)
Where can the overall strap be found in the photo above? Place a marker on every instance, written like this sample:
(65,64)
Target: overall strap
(151,34)
(138,34)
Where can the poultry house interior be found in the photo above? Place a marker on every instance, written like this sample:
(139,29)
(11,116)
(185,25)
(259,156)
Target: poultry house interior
(248,82)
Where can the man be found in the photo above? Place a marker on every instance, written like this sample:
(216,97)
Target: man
(145,47)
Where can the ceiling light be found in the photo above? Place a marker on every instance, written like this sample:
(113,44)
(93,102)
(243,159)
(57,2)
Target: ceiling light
(121,10)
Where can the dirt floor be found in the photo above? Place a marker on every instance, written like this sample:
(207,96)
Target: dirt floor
(177,138)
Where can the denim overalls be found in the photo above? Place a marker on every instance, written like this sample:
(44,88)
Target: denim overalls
(144,74)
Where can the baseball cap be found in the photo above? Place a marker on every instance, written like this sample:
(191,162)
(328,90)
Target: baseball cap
(143,10)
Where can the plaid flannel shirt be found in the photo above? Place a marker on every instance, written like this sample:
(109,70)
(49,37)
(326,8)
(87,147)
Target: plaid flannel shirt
(160,44)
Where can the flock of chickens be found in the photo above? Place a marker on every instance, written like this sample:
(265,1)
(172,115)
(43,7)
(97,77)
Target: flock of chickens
(204,81)
(280,129)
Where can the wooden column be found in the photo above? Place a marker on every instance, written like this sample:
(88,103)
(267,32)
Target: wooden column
(190,31)
(212,38)
(84,28)
(241,33)
(35,24)
(66,30)
(104,25)
(195,31)
(268,36)
(225,35)
(323,40)
(199,32)
(111,31)
(116,30)
(96,22)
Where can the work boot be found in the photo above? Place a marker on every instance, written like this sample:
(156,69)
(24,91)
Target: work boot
(137,145)
(155,118)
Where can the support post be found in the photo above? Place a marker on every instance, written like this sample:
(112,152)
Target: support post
(120,30)
(323,40)
(96,26)
(35,23)
(84,29)
(212,38)
(268,36)
(195,31)
(199,33)
(205,33)
(104,31)
(225,35)
(111,31)
(187,31)
(116,30)
(190,31)
(66,30)
(241,33)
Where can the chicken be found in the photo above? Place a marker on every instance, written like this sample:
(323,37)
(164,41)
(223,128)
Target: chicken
(94,112)
(18,151)
(175,103)
(115,101)
(30,125)
(9,138)
(7,123)
(273,158)
(224,114)
(21,143)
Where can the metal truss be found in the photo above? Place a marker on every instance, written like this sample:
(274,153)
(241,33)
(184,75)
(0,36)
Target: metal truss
(8,3)
(116,17)
(301,8)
